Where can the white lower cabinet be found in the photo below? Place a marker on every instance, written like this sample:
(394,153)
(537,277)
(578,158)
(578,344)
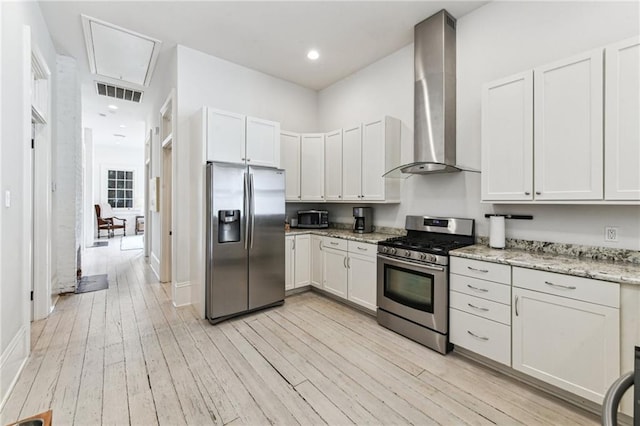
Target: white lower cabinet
(480,308)
(335,272)
(297,257)
(317,261)
(362,274)
(562,340)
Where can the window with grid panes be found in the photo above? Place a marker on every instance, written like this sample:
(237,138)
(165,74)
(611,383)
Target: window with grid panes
(120,188)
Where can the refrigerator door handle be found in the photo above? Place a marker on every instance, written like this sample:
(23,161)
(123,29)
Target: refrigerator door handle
(252,207)
(246,211)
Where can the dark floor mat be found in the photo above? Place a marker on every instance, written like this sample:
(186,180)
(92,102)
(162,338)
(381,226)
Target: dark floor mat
(92,283)
(99,244)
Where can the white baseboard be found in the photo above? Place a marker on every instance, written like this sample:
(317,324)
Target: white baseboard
(154,263)
(12,362)
(181,294)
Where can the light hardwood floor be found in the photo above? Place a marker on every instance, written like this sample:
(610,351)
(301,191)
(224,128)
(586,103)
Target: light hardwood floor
(126,356)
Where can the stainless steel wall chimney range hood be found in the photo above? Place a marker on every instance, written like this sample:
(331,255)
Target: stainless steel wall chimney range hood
(434,145)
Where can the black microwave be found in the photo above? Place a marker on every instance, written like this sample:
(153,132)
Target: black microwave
(313,219)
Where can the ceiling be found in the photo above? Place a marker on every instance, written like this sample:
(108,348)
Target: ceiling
(271,37)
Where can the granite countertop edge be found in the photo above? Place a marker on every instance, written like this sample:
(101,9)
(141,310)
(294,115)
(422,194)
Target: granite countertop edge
(344,234)
(619,272)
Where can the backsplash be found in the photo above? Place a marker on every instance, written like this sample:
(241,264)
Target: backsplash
(379,229)
(581,251)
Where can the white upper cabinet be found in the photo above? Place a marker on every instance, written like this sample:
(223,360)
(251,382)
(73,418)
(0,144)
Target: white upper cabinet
(333,166)
(312,167)
(368,151)
(225,136)
(236,138)
(290,162)
(352,163)
(622,128)
(263,142)
(507,138)
(568,138)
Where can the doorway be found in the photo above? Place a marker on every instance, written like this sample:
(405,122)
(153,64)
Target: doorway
(166,213)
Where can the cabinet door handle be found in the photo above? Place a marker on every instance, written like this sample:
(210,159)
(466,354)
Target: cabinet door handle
(293,244)
(344,261)
(484,271)
(339,196)
(320,244)
(527,193)
(564,287)
(248,159)
(478,308)
(243,159)
(481,290)
(538,193)
(516,306)
(478,337)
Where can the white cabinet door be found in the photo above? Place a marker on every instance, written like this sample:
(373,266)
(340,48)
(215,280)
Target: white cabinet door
(302,267)
(568,139)
(352,163)
(290,162)
(225,136)
(289,262)
(622,131)
(333,165)
(317,261)
(568,343)
(312,167)
(263,142)
(373,159)
(335,272)
(507,138)
(362,280)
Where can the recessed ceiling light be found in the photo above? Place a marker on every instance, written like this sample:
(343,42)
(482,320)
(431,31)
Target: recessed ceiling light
(113,107)
(122,126)
(313,54)
(102,114)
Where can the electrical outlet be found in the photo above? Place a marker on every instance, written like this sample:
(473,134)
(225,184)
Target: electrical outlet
(611,234)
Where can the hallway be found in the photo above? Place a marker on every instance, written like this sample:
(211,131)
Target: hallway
(126,356)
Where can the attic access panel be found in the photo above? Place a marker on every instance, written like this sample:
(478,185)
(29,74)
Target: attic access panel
(118,53)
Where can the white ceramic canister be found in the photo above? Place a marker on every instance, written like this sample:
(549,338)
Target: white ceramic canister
(496,232)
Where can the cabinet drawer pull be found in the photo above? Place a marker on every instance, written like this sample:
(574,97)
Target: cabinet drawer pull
(478,337)
(538,193)
(481,290)
(565,287)
(478,308)
(484,271)
(333,243)
(527,193)
(363,248)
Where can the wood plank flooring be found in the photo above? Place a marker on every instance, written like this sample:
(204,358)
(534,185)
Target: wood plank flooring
(125,355)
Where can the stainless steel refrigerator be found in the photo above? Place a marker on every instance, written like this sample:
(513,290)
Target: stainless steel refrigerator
(245,239)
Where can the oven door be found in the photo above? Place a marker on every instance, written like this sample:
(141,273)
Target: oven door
(416,292)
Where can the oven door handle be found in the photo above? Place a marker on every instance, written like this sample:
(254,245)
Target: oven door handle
(403,262)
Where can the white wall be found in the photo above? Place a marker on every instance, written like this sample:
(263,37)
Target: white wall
(119,157)
(204,80)
(496,40)
(15,177)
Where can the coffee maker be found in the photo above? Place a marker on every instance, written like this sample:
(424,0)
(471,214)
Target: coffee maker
(362,220)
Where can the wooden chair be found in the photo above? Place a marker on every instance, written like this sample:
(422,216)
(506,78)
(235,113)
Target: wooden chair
(109,224)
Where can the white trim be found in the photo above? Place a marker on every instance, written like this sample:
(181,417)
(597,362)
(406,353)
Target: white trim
(155,264)
(16,354)
(181,293)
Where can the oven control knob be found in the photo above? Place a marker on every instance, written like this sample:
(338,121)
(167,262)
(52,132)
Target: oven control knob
(423,256)
(407,253)
(392,250)
(384,249)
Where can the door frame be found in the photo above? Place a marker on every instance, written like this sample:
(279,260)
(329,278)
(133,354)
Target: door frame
(166,214)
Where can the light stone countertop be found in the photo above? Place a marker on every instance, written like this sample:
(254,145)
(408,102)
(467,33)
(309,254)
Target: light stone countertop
(345,234)
(620,272)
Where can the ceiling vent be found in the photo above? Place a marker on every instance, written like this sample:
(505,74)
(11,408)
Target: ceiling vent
(119,53)
(112,91)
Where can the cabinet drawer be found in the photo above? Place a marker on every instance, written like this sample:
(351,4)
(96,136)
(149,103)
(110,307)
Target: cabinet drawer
(481,307)
(483,270)
(365,249)
(578,288)
(335,243)
(489,290)
(482,336)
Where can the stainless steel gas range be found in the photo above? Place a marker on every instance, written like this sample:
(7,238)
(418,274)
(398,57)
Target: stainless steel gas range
(413,278)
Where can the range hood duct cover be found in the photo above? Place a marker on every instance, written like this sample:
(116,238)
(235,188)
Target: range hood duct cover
(434,147)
